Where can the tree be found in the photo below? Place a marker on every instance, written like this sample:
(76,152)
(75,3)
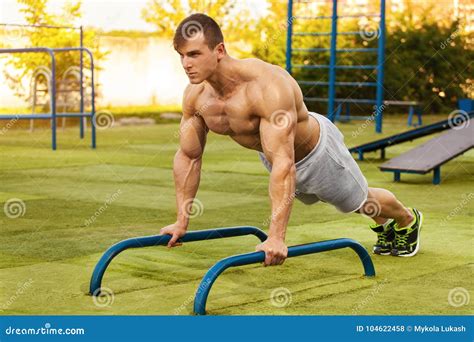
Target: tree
(269,41)
(427,59)
(235,20)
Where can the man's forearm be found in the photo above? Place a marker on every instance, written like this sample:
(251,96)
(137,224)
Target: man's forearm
(282,193)
(187,174)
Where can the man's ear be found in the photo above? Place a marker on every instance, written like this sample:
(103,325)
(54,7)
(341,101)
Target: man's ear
(220,49)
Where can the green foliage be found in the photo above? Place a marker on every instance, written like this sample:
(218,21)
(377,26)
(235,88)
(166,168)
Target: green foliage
(427,60)
(236,22)
(22,66)
(269,40)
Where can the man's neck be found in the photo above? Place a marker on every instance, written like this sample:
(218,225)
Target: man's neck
(226,78)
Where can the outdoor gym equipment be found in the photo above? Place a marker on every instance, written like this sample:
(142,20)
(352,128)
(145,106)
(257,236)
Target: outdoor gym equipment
(232,261)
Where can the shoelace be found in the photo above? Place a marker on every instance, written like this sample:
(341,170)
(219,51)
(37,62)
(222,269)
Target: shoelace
(382,238)
(401,240)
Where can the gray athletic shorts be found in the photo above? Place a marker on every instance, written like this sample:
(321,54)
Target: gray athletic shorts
(329,173)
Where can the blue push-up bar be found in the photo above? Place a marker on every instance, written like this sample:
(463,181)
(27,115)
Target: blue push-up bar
(160,240)
(256,257)
(233,261)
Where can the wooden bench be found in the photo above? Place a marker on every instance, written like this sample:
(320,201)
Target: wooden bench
(416,133)
(433,153)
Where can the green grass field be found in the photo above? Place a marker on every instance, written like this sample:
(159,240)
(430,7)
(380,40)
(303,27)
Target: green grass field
(48,254)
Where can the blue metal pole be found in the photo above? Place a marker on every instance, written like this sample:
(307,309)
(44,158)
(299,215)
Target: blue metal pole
(380,70)
(53,101)
(410,116)
(81,80)
(332,62)
(161,240)
(251,258)
(437,175)
(289,33)
(93,129)
(53,115)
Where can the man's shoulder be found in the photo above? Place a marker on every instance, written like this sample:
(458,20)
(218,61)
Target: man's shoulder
(272,87)
(192,91)
(258,68)
(191,95)
(270,79)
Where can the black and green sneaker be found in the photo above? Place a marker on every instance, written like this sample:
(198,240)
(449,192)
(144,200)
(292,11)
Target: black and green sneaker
(385,237)
(407,239)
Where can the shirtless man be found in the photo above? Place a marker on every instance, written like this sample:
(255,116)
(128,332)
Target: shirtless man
(260,106)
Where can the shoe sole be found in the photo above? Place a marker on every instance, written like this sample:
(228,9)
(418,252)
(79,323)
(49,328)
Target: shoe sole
(385,253)
(381,253)
(417,240)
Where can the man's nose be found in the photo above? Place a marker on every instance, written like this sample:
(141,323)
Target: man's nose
(186,63)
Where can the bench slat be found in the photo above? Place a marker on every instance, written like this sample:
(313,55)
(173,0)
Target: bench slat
(435,152)
(409,135)
(401,103)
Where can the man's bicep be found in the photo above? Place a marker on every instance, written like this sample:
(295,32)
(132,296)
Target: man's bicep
(277,129)
(192,129)
(192,135)
(277,144)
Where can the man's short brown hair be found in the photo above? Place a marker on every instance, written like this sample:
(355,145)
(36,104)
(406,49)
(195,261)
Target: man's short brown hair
(195,25)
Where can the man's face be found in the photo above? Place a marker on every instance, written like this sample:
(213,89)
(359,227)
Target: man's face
(199,62)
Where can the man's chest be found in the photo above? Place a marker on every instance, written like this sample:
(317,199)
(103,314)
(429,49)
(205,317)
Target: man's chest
(231,116)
